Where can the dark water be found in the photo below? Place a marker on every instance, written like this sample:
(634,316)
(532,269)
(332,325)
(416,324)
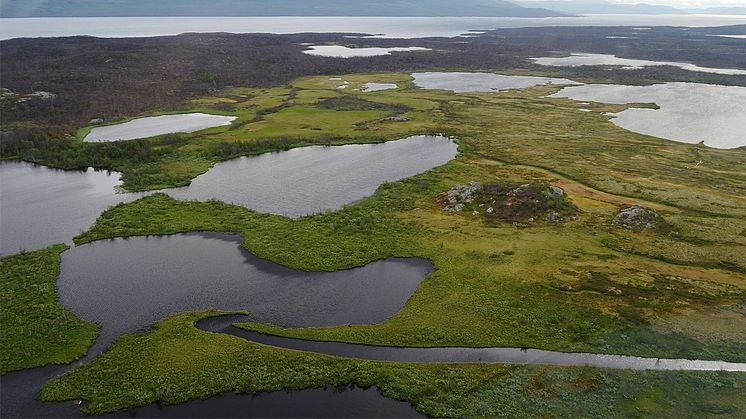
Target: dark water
(313,179)
(327,402)
(453,354)
(40,206)
(125,285)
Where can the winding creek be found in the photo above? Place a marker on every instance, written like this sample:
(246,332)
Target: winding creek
(466,355)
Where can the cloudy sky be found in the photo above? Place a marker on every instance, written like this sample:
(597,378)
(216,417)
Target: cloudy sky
(685,3)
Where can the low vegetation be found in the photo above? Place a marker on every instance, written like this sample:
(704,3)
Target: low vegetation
(36,330)
(160,366)
(574,281)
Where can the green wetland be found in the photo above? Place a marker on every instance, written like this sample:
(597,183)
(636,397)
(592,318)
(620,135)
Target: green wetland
(551,229)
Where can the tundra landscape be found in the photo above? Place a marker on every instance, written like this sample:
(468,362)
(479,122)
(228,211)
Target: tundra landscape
(514,222)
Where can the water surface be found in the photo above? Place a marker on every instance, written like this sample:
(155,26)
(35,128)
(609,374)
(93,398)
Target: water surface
(157,125)
(374,87)
(689,112)
(313,179)
(327,402)
(576,60)
(127,284)
(481,355)
(40,206)
(480,82)
(384,27)
(339,51)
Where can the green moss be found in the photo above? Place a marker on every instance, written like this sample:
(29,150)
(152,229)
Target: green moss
(36,330)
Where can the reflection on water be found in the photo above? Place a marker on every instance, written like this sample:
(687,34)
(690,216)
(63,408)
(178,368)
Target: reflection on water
(156,125)
(127,284)
(374,87)
(689,112)
(576,60)
(313,179)
(40,206)
(456,354)
(339,51)
(384,27)
(480,82)
(327,402)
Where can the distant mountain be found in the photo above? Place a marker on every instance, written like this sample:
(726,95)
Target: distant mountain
(734,10)
(69,8)
(603,7)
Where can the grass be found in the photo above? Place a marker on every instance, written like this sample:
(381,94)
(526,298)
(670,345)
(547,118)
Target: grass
(36,330)
(160,368)
(582,285)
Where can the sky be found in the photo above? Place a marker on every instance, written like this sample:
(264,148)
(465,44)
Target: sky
(685,4)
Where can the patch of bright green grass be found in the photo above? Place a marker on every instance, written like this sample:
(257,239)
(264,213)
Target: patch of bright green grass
(36,330)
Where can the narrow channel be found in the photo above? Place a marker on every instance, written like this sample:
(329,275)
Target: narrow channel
(466,355)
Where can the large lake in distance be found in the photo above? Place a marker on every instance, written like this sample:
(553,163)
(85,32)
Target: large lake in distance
(383,27)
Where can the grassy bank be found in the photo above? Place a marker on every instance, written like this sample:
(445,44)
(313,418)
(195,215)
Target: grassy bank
(36,330)
(160,367)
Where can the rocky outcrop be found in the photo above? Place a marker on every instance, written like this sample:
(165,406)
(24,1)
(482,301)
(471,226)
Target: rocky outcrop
(637,217)
(523,204)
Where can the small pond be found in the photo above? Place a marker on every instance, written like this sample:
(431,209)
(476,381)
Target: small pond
(480,82)
(689,112)
(40,206)
(313,179)
(339,51)
(156,125)
(374,87)
(576,60)
(127,284)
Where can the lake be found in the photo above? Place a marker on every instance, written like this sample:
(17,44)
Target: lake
(480,82)
(575,60)
(156,125)
(339,51)
(42,206)
(374,87)
(127,284)
(382,27)
(689,112)
(313,179)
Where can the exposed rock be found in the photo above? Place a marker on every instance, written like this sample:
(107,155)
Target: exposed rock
(520,203)
(396,118)
(637,217)
(555,191)
(95,121)
(43,95)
